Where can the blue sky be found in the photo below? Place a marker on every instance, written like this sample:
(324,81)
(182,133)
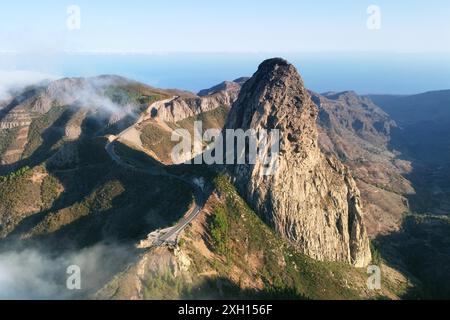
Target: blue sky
(194,44)
(225,26)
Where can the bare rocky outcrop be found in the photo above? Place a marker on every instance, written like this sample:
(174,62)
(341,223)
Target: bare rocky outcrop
(311,200)
(182,107)
(16,118)
(229,86)
(346,111)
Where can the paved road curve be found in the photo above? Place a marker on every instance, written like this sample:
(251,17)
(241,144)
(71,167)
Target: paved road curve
(172,233)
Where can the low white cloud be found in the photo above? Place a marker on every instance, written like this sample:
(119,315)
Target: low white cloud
(34,274)
(87,93)
(14,80)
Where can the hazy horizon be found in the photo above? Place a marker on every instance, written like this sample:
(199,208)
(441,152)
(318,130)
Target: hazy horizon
(364,73)
(386,47)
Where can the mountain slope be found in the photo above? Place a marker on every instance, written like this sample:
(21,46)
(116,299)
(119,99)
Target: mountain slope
(41,119)
(251,262)
(358,132)
(423,138)
(409,109)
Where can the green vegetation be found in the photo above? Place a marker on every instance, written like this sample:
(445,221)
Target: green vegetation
(376,254)
(417,218)
(13,175)
(37,128)
(19,198)
(421,248)
(109,201)
(163,286)
(100,200)
(158,140)
(85,201)
(135,95)
(214,119)
(255,254)
(220,230)
(6,138)
(243,259)
(49,191)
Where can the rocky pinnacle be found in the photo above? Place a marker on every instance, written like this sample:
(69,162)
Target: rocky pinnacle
(310,199)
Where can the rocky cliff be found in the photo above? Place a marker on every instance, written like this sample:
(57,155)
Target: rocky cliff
(182,107)
(233,86)
(311,200)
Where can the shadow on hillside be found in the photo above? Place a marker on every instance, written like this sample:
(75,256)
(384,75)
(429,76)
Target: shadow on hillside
(104,202)
(426,146)
(49,136)
(222,288)
(76,217)
(421,249)
(52,136)
(18,100)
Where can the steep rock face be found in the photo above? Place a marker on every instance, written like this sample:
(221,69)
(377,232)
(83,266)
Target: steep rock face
(230,86)
(311,200)
(358,115)
(16,118)
(182,107)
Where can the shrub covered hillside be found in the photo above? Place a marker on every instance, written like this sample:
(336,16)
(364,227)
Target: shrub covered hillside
(228,252)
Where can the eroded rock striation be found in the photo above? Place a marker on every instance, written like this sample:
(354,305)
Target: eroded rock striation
(182,107)
(310,199)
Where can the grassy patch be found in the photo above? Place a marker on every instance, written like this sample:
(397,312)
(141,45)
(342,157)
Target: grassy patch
(49,191)
(163,286)
(213,119)
(134,95)
(13,175)
(257,254)
(158,140)
(38,126)
(19,198)
(246,260)
(220,230)
(6,138)
(421,247)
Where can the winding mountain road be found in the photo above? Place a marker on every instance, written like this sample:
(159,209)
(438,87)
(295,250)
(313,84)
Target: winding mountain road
(170,235)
